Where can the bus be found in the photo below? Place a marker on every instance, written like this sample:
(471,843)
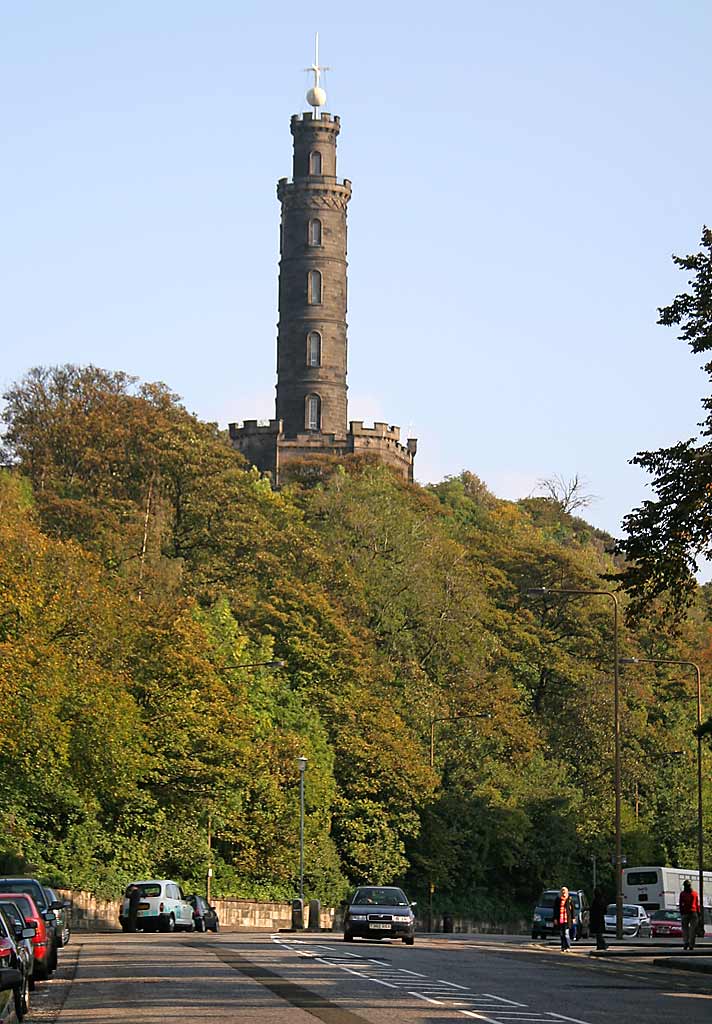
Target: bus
(658,888)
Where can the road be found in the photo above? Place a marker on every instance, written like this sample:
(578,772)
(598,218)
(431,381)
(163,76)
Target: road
(297,979)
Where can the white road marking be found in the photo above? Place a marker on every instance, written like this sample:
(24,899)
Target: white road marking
(427,999)
(501,999)
(484,1006)
(560,1016)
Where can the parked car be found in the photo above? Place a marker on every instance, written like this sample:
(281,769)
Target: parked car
(40,945)
(634,918)
(543,916)
(205,917)
(19,923)
(9,981)
(15,955)
(45,959)
(379,912)
(162,907)
(663,924)
(61,908)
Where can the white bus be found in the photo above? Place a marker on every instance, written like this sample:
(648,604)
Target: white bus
(660,888)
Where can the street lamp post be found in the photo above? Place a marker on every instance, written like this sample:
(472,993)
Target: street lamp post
(700,822)
(544,592)
(302,762)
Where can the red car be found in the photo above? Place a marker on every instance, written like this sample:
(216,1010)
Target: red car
(45,949)
(665,924)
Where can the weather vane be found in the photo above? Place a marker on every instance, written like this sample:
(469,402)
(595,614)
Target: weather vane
(316,97)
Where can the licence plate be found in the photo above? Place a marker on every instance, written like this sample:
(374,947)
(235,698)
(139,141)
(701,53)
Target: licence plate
(387,927)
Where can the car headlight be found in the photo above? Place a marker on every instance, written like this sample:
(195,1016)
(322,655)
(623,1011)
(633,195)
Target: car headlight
(357,917)
(402,918)
(537,917)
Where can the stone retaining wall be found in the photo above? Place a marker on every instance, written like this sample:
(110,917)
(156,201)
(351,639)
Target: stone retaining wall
(95,915)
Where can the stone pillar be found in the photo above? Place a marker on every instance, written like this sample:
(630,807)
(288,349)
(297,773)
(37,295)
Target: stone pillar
(311,340)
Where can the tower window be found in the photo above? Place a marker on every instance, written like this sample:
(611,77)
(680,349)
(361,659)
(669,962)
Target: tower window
(315,232)
(315,163)
(313,412)
(314,288)
(313,348)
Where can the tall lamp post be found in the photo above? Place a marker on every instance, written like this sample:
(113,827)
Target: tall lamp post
(302,762)
(700,829)
(545,592)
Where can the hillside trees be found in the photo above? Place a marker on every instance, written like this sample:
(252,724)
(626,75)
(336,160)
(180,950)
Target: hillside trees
(149,585)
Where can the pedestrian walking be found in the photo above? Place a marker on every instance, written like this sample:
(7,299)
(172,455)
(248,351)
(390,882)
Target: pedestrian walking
(598,918)
(564,916)
(689,911)
(134,900)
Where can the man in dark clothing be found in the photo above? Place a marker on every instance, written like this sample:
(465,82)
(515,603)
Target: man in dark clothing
(689,911)
(134,900)
(598,918)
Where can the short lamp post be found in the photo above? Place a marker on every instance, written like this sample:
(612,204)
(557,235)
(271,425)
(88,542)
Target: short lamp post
(700,820)
(302,762)
(544,592)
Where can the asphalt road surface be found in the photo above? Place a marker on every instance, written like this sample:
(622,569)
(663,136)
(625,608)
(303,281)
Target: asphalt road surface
(297,979)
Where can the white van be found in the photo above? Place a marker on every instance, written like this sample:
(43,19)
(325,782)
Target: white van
(162,907)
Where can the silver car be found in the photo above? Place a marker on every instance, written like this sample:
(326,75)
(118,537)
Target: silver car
(634,917)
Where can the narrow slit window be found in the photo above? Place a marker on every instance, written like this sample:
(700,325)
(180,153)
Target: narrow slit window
(315,232)
(313,417)
(315,163)
(314,287)
(313,348)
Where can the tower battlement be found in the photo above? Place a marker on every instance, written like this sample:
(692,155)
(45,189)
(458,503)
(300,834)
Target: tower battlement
(332,122)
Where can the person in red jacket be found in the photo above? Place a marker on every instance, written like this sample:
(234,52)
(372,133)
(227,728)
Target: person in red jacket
(689,910)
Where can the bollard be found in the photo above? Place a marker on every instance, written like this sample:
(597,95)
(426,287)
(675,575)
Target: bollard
(314,916)
(297,915)
(447,922)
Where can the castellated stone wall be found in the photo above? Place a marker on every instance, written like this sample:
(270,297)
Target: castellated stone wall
(271,451)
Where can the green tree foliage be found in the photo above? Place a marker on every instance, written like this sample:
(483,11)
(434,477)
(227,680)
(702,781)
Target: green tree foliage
(666,537)
(174,634)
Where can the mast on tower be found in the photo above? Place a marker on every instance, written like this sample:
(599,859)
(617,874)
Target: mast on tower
(316,96)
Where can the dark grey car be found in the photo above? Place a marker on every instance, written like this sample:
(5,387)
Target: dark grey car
(379,912)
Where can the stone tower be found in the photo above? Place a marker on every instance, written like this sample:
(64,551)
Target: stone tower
(311,339)
(311,417)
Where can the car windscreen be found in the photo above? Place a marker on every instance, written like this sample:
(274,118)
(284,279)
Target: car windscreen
(380,898)
(666,915)
(33,889)
(548,899)
(23,905)
(12,911)
(627,910)
(145,889)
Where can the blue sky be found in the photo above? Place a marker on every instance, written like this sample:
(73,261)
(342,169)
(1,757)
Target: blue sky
(521,173)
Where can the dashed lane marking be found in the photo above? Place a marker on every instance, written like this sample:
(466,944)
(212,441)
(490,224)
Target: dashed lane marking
(483,1006)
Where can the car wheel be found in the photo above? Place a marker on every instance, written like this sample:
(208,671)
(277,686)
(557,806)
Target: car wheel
(348,937)
(52,965)
(535,935)
(409,940)
(216,927)
(169,925)
(41,972)
(201,925)
(31,982)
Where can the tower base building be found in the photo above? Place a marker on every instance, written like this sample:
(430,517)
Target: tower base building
(311,414)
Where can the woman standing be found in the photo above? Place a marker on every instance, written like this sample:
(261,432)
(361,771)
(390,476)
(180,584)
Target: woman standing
(563,916)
